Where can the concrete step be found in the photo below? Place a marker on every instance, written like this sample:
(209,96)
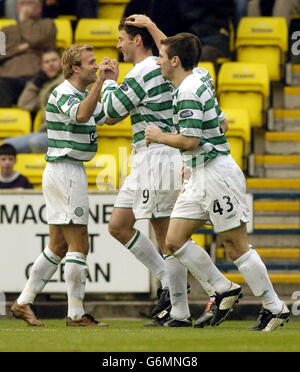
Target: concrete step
(275,207)
(273,185)
(276,277)
(271,240)
(286,120)
(282,252)
(279,221)
(293,73)
(277,166)
(291,97)
(282,143)
(277,212)
(268,235)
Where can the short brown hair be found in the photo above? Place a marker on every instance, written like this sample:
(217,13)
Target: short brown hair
(72,56)
(52,50)
(132,31)
(198,45)
(184,46)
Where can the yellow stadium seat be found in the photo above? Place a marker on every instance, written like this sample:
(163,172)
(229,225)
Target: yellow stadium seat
(14,122)
(236,151)
(124,68)
(199,239)
(121,129)
(111,10)
(238,135)
(245,86)
(37,122)
(209,66)
(118,148)
(238,124)
(98,32)
(7,22)
(64,36)
(101,33)
(100,53)
(263,40)
(102,172)
(31,166)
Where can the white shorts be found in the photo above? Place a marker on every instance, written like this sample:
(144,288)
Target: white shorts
(154,182)
(65,192)
(215,192)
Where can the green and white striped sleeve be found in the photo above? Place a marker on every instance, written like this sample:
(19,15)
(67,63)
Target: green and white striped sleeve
(190,114)
(118,101)
(68,104)
(99,114)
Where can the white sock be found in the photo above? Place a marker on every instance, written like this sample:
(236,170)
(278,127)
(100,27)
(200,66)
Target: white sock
(42,271)
(177,287)
(255,273)
(200,265)
(145,251)
(75,276)
(210,290)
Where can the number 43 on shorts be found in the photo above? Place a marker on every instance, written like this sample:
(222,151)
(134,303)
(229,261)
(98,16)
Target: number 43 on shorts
(226,203)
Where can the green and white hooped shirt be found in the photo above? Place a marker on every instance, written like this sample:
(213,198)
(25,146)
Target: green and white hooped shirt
(67,138)
(146,95)
(206,78)
(196,114)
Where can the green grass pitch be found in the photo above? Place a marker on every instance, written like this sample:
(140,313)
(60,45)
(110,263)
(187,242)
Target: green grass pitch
(131,336)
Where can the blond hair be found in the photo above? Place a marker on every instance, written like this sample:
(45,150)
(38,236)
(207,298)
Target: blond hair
(72,56)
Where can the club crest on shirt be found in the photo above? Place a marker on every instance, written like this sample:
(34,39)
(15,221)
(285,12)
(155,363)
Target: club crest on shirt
(78,212)
(124,87)
(70,101)
(186,114)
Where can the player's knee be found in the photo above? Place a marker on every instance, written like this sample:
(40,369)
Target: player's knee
(60,249)
(171,245)
(234,249)
(229,248)
(114,229)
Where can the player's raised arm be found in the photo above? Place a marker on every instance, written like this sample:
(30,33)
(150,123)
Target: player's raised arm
(140,20)
(88,105)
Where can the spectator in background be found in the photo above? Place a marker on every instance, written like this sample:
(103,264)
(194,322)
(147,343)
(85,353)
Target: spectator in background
(240,11)
(34,97)
(10,179)
(10,11)
(79,8)
(275,8)
(24,44)
(2,11)
(209,20)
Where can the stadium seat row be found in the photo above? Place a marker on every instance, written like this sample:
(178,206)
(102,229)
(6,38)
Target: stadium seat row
(258,39)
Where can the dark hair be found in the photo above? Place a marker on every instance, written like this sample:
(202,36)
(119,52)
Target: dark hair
(198,45)
(8,149)
(132,31)
(185,46)
(52,50)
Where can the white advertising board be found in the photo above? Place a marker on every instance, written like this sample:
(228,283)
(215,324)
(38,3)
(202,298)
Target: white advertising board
(24,234)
